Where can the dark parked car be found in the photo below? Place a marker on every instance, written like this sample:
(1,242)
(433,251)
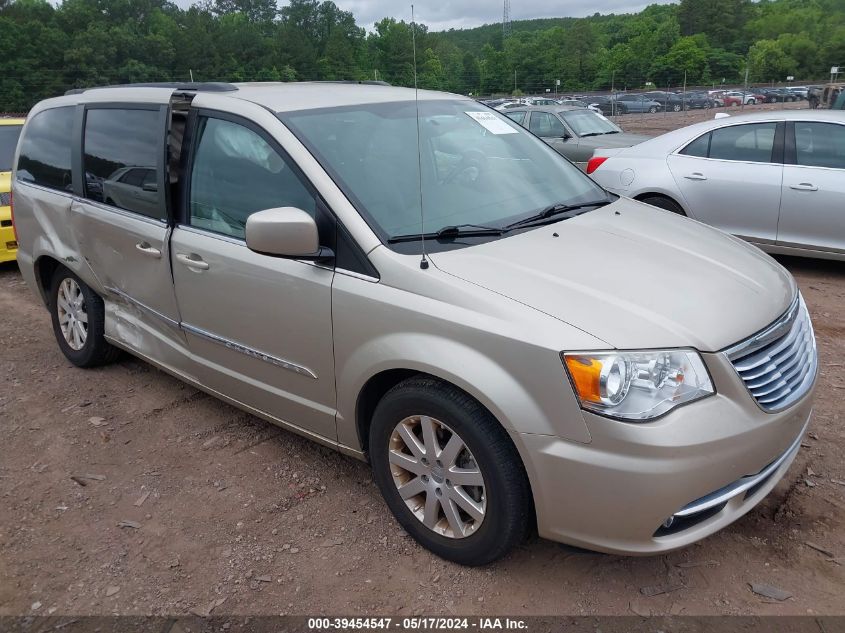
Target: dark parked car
(669,101)
(698,101)
(609,106)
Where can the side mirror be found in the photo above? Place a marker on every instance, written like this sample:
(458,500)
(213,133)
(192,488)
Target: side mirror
(150,186)
(286,232)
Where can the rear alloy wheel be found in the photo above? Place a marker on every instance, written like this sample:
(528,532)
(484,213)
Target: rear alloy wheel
(653,109)
(78,316)
(676,107)
(752,102)
(449,472)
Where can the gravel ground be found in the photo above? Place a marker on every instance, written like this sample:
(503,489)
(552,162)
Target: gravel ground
(125,491)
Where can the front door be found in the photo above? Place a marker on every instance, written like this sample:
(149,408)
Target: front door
(548,127)
(731,179)
(121,225)
(812,213)
(258,326)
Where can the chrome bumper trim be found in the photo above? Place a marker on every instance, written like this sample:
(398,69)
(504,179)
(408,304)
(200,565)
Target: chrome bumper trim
(741,485)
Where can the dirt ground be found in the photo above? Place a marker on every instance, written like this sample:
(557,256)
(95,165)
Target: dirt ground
(125,491)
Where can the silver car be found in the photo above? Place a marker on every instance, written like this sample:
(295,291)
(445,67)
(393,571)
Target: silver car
(776,179)
(426,286)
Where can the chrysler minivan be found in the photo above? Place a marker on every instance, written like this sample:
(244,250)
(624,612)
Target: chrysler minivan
(423,284)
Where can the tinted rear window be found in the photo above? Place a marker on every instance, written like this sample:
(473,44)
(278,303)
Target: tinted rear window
(46,149)
(8,141)
(123,153)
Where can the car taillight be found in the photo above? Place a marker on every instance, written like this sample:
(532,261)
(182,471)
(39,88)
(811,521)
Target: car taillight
(12,211)
(594,163)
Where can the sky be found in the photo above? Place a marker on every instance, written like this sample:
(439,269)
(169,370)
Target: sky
(439,15)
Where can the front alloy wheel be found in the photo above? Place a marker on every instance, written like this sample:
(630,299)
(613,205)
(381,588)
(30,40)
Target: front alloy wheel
(449,472)
(437,476)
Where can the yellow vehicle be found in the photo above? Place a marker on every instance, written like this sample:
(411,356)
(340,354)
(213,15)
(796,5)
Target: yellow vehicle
(10,129)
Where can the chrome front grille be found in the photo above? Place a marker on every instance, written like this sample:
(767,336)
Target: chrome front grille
(779,364)
(5,198)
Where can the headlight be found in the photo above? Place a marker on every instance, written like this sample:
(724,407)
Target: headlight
(637,386)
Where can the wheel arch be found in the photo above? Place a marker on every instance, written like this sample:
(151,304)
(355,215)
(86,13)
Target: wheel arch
(45,267)
(640,197)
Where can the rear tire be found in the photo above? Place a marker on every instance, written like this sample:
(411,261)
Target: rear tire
(502,511)
(653,109)
(662,202)
(78,316)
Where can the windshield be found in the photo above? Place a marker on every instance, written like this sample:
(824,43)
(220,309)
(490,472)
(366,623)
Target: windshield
(587,122)
(8,141)
(475,165)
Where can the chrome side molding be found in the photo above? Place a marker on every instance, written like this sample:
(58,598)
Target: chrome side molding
(210,336)
(243,349)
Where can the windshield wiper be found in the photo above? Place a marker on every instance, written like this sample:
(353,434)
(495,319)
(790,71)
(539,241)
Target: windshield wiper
(556,209)
(449,232)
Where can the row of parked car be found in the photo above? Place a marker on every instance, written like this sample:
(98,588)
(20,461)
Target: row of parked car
(659,100)
(787,167)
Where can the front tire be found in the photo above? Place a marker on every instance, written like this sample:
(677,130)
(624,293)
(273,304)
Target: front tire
(449,472)
(652,109)
(78,316)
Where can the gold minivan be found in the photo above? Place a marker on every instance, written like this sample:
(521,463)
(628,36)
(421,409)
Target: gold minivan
(423,284)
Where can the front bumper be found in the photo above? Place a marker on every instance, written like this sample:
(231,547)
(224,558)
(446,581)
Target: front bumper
(8,245)
(651,488)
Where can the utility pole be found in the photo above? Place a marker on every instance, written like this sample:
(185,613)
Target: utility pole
(745,88)
(514,81)
(613,93)
(506,20)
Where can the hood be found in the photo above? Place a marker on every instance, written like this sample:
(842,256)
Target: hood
(622,139)
(635,277)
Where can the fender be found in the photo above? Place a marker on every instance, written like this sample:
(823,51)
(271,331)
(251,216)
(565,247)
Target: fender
(480,375)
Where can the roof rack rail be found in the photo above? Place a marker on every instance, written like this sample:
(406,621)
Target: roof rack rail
(200,86)
(361,82)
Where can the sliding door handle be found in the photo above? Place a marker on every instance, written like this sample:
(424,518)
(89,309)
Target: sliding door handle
(147,249)
(192,261)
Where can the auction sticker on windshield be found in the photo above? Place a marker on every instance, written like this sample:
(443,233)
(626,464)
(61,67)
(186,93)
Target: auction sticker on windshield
(491,122)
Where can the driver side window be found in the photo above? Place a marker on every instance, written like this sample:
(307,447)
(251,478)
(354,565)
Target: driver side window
(236,173)
(546,125)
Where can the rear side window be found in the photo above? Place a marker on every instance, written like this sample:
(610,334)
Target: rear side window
(820,145)
(45,155)
(699,147)
(8,141)
(123,155)
(752,142)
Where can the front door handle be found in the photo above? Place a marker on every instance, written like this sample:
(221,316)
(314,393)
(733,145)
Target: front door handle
(147,249)
(194,261)
(804,186)
(695,176)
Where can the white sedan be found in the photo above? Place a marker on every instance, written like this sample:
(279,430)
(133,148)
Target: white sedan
(776,179)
